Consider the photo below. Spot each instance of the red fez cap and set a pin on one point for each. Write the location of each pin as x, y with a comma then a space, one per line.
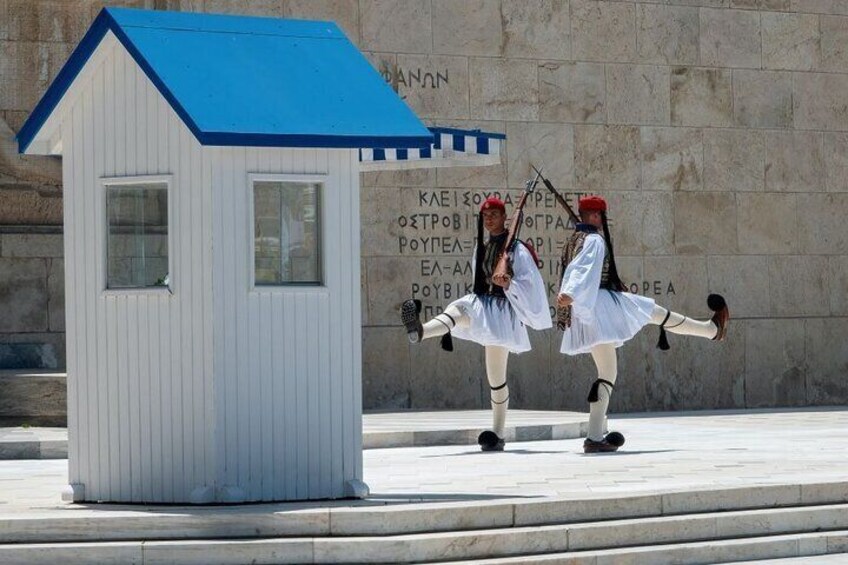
493, 203
592, 204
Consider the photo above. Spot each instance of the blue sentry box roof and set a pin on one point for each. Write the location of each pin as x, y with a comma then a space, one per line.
249, 81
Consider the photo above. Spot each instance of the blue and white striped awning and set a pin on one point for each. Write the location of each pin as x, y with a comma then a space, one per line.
450, 148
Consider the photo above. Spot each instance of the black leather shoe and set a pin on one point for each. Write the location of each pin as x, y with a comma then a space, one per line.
611, 442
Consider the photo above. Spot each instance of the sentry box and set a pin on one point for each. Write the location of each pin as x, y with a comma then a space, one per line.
212, 283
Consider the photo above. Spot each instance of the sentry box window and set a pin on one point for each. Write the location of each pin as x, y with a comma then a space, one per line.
136, 234
287, 233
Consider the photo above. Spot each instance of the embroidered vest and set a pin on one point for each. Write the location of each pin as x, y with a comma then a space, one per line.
569, 252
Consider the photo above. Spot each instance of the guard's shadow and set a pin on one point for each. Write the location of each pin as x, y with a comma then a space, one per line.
491, 453
620, 453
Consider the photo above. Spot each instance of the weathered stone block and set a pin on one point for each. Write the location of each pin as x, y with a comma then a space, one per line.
641, 222
344, 12
794, 161
697, 371
798, 285
434, 86
704, 223
820, 6
385, 368
638, 94
448, 381
606, 158
743, 280
4, 19
56, 295
536, 29
473, 27
775, 364
734, 160
504, 89
529, 375
836, 161
672, 159
730, 38
23, 295
819, 102
395, 25
762, 98
60, 21
702, 3
549, 147
701, 97
767, 223
667, 34
834, 43
603, 31
379, 214
572, 92
773, 5
827, 360
791, 41
269, 8
837, 276
824, 231
687, 276
31, 245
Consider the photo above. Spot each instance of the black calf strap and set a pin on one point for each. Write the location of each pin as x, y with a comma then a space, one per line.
499, 387
593, 392
663, 341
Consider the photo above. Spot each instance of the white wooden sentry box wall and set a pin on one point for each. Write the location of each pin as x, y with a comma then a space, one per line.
211, 390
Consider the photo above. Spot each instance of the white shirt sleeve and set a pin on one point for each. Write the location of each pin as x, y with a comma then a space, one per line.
582, 278
526, 292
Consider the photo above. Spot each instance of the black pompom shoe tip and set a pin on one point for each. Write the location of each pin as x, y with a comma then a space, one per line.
718, 304
489, 441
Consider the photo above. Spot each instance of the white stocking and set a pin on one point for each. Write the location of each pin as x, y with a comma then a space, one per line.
496, 359
444, 322
605, 360
683, 325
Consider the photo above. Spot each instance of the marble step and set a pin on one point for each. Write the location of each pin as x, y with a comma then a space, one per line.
379, 430
791, 549
34, 398
656, 544
380, 518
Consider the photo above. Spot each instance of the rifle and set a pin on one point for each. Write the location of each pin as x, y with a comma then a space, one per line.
558, 197
501, 271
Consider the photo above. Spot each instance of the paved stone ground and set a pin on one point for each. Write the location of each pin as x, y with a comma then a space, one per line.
673, 451
664, 452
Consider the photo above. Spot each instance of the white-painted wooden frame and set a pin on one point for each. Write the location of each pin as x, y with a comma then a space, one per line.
128, 181
320, 179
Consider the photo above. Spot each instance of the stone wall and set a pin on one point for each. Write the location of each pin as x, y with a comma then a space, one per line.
716, 128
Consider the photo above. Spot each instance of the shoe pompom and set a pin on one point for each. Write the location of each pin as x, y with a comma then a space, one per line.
488, 439
716, 302
615, 438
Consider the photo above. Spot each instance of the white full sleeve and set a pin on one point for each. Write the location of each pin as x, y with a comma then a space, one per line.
582, 278
527, 293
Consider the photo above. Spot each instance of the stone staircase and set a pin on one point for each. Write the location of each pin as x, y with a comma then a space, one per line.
704, 526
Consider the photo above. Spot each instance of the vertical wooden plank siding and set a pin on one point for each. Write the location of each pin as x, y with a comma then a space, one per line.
289, 357
244, 393
138, 381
